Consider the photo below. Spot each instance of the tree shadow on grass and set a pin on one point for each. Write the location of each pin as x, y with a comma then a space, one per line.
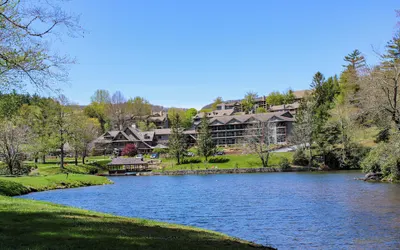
74, 230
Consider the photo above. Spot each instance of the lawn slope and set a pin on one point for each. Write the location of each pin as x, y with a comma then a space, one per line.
27, 224
12, 186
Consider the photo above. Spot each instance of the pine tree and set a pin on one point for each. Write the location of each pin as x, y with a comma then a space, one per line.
205, 144
177, 141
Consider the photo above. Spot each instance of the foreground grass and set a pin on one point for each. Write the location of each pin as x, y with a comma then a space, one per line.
27, 224
235, 161
12, 186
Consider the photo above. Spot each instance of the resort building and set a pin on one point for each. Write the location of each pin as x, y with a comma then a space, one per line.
145, 141
228, 130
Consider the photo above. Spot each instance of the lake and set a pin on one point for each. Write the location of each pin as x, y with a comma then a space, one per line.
283, 210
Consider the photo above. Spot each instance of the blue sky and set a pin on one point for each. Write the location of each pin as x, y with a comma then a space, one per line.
186, 53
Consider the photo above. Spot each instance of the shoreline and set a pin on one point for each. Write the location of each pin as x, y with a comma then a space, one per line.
221, 171
16, 186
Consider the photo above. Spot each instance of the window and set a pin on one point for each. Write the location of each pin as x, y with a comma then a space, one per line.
281, 130
281, 138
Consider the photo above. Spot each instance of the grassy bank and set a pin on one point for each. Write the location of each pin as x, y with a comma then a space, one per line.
28, 224
12, 186
235, 161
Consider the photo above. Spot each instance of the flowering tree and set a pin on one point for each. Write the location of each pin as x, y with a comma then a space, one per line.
129, 150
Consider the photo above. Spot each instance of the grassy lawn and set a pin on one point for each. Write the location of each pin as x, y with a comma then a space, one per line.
240, 161
21, 185
27, 224
366, 136
52, 166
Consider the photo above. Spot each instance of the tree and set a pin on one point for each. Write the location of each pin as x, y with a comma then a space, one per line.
146, 126
13, 137
304, 127
98, 111
118, 110
275, 98
83, 131
40, 119
177, 141
260, 110
355, 60
63, 125
27, 30
259, 138
323, 93
99, 107
249, 101
205, 144
189, 114
184, 116
101, 96
139, 107
349, 79
288, 97
381, 86
129, 150
216, 101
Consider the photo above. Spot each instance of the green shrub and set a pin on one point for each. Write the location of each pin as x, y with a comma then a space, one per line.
190, 160
384, 159
300, 158
284, 164
218, 160
100, 163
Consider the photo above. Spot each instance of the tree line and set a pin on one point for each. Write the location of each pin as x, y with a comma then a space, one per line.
363, 96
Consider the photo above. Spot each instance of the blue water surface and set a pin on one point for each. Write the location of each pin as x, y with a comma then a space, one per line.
283, 210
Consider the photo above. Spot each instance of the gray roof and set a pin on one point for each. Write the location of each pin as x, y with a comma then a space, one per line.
216, 113
292, 106
299, 94
263, 117
162, 131
126, 161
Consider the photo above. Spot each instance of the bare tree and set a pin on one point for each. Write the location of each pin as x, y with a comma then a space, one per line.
304, 128
27, 29
63, 125
259, 136
381, 85
13, 137
117, 109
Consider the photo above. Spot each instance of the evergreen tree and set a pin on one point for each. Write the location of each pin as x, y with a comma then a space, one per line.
177, 141
205, 144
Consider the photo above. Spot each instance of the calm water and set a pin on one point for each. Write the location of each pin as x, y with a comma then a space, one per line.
284, 210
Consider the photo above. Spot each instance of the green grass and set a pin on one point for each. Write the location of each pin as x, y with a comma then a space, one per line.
366, 136
27, 224
52, 166
241, 161
21, 185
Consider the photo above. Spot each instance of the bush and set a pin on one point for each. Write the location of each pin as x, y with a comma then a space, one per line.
284, 164
300, 158
100, 163
218, 160
24, 169
190, 160
129, 150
